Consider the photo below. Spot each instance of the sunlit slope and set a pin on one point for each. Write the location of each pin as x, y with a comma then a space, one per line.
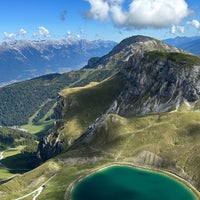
83, 105
170, 141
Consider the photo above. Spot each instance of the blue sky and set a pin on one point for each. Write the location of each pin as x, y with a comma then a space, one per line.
98, 19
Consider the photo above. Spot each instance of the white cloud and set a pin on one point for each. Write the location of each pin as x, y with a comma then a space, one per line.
14, 36
99, 9
141, 13
195, 23
177, 29
42, 32
173, 29
118, 16
10, 36
78, 36
68, 33
22, 32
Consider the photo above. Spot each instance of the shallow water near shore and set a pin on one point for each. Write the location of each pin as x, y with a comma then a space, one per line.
128, 183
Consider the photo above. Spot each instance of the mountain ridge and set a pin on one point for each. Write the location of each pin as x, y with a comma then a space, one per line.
190, 44
143, 110
26, 59
122, 60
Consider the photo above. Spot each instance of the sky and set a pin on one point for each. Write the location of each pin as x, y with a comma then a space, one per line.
98, 19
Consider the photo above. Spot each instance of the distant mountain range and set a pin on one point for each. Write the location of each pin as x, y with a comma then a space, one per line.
25, 59
191, 44
138, 104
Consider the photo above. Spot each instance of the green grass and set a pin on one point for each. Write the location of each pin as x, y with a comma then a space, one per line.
173, 137
181, 58
18, 163
41, 126
38, 129
4, 173
13, 151
4, 170
170, 141
84, 104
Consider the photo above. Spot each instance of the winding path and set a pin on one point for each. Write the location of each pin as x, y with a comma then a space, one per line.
38, 191
1, 155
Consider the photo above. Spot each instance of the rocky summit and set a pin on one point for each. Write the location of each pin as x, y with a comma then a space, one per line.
154, 77
138, 105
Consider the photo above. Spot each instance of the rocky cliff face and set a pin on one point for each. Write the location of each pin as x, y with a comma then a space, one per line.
157, 85
127, 48
154, 82
52, 144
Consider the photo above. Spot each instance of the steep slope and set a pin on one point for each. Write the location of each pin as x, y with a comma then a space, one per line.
127, 58
34, 98
22, 100
12, 138
23, 59
145, 114
159, 82
127, 48
31, 100
76, 109
190, 44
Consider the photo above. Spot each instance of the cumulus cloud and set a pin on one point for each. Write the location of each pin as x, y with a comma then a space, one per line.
22, 32
99, 9
42, 32
140, 13
177, 29
10, 36
14, 36
195, 23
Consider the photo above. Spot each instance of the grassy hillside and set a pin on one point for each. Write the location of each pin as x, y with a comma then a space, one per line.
82, 105
10, 138
17, 150
179, 58
36, 97
167, 141
21, 100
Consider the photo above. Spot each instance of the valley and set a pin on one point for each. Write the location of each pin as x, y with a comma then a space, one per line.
25, 59
137, 105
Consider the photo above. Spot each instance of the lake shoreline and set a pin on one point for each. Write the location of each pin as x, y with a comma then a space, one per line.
187, 184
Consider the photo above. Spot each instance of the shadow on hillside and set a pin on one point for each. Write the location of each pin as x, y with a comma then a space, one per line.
20, 163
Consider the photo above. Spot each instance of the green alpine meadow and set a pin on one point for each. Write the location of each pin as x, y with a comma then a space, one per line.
125, 126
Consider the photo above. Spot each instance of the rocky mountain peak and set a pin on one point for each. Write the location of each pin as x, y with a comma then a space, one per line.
156, 78
140, 43
159, 82
128, 48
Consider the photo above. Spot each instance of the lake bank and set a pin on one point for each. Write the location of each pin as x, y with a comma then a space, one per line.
169, 175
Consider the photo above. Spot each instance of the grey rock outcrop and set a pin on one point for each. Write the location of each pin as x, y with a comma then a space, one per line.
152, 85
157, 85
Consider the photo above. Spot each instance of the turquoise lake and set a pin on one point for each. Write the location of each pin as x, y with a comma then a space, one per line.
128, 183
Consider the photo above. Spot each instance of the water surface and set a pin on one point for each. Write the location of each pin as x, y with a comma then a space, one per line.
128, 183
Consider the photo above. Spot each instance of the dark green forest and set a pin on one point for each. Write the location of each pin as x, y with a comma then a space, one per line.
22, 100
10, 138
